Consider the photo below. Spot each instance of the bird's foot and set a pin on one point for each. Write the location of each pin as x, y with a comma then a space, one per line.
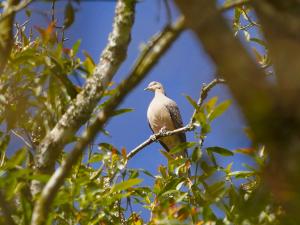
163, 130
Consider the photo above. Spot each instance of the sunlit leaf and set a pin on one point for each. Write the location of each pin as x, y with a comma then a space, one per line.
17, 159
121, 111
220, 150
192, 101
96, 158
210, 104
182, 146
242, 174
126, 184
219, 110
4, 143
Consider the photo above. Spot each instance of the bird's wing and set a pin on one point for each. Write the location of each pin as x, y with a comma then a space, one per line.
176, 118
177, 121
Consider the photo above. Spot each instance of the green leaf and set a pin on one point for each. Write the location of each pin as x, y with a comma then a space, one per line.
76, 47
220, 150
147, 173
126, 184
89, 63
193, 103
208, 170
69, 15
210, 104
182, 146
167, 155
216, 189
197, 154
96, 158
219, 110
121, 111
105, 146
242, 174
17, 159
258, 41
4, 143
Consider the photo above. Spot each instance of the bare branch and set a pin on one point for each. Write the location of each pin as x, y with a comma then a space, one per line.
189, 127
83, 105
149, 57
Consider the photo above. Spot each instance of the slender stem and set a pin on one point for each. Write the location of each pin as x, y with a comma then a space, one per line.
22, 138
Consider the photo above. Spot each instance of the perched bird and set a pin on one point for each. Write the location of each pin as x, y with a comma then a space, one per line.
163, 114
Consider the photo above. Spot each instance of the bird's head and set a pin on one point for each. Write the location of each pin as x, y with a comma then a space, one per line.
155, 87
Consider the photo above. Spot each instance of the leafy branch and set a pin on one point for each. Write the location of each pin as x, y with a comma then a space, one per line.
149, 57
83, 105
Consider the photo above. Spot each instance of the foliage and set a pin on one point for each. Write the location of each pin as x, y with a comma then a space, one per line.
36, 88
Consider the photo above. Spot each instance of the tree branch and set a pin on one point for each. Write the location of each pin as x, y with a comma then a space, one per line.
6, 32
15, 8
189, 127
83, 105
149, 57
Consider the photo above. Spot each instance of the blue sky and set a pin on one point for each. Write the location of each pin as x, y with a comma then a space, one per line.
183, 70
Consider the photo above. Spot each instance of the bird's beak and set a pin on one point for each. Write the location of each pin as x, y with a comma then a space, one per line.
147, 89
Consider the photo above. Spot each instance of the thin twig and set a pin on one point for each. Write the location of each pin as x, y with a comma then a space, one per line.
22, 138
189, 127
168, 10
53, 11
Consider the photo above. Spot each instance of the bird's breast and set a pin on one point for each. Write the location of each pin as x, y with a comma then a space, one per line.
159, 117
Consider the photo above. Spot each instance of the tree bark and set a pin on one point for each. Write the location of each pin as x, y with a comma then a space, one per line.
6, 32
83, 105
